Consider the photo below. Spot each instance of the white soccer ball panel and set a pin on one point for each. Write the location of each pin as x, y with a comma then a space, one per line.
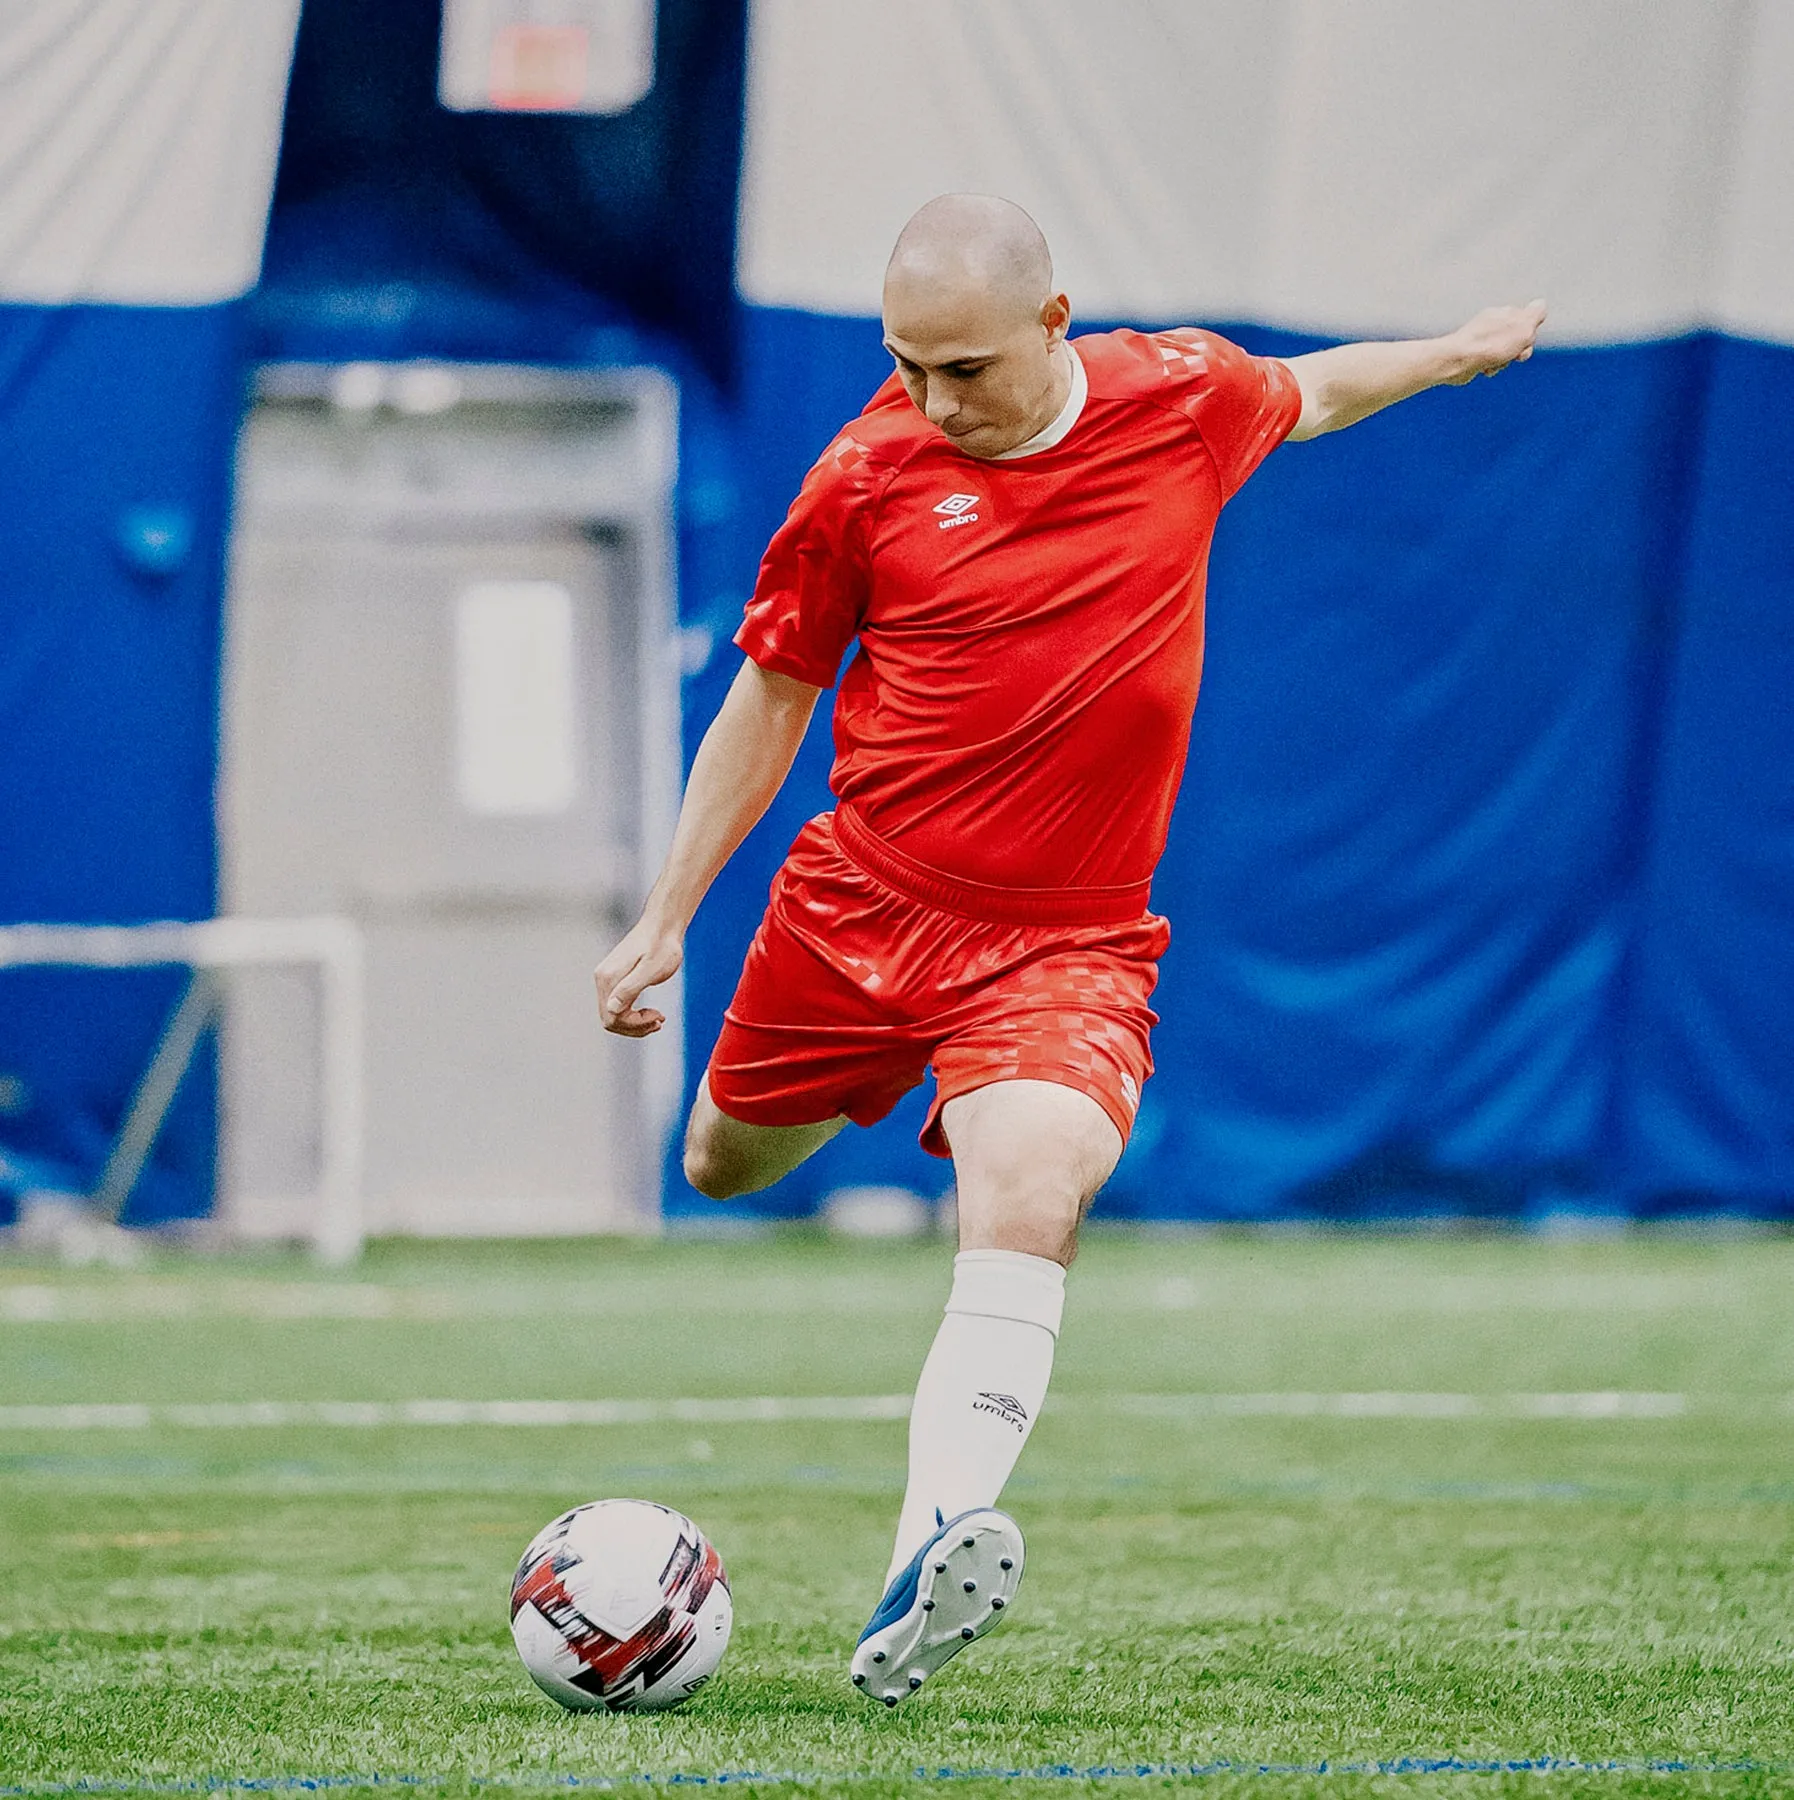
622, 1547
620, 1604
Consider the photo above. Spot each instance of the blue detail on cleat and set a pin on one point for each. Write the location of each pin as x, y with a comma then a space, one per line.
900, 1596
923, 1620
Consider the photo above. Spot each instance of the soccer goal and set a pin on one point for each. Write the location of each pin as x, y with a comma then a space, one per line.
210, 950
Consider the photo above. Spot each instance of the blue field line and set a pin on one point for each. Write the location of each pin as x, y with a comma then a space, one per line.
548, 1780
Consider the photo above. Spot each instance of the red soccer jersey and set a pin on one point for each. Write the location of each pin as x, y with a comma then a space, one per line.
1030, 630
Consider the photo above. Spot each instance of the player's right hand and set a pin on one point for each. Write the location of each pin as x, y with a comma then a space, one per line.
646, 956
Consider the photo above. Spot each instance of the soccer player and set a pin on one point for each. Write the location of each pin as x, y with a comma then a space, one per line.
1016, 532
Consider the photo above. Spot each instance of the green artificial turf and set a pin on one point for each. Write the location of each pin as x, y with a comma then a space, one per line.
1209, 1582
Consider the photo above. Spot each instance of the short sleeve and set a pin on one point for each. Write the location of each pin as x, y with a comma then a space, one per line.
1244, 406
811, 592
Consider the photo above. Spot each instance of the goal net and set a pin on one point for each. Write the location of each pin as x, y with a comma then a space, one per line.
219, 955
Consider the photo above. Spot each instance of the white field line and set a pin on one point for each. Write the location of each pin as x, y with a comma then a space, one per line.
378, 1415
279, 1303
374, 1415
1607, 1404
276, 1302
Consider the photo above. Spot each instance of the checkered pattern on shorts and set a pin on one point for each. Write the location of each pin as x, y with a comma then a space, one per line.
851, 991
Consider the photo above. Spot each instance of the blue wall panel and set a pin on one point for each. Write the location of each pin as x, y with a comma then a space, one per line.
117, 425
1400, 870
1707, 1113
1403, 876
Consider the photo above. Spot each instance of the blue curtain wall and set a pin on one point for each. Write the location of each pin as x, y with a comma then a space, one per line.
1482, 880
116, 431
1483, 876
1706, 1004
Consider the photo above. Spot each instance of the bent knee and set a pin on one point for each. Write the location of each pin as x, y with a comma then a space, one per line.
715, 1177
712, 1182
727, 1157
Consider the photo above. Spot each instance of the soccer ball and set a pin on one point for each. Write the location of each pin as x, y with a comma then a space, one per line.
621, 1604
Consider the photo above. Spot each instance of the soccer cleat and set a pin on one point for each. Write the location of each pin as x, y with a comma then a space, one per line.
953, 1590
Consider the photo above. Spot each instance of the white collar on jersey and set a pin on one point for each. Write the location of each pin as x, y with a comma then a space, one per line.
1068, 415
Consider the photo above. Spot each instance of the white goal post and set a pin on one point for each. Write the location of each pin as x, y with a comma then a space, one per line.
332, 945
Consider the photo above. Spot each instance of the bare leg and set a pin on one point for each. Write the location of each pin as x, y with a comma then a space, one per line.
725, 1157
1029, 1157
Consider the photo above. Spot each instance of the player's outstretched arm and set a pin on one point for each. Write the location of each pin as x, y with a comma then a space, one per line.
741, 764
1341, 386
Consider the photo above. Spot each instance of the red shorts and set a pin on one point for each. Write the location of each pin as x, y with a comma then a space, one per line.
853, 987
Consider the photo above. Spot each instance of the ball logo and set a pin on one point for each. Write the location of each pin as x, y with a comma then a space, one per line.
958, 510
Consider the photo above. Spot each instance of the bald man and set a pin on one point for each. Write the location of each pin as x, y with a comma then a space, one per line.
1015, 534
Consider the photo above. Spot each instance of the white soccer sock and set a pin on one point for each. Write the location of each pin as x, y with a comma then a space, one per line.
980, 1389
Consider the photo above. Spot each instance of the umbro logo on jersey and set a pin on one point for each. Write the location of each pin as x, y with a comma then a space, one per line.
958, 508
1006, 1407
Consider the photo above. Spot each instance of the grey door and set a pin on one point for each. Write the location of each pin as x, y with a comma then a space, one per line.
435, 724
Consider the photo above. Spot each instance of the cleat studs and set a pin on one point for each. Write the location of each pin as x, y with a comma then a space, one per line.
971, 1587
997, 1604
890, 1699
878, 1656
928, 1606
966, 1632
1006, 1565
940, 1568
859, 1679
968, 1543
915, 1681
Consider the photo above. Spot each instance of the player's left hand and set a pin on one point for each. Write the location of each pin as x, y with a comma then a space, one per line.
1496, 337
